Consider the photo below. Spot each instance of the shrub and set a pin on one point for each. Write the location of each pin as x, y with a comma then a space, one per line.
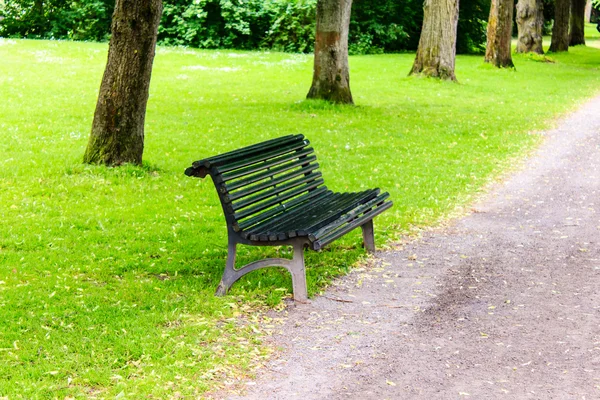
286, 25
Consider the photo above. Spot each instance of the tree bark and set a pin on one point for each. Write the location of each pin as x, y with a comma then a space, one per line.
530, 21
117, 135
577, 34
499, 34
588, 11
436, 53
560, 30
331, 74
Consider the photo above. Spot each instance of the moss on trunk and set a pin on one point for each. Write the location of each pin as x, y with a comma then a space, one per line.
436, 53
499, 32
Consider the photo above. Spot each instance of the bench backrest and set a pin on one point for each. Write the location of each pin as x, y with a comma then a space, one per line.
259, 182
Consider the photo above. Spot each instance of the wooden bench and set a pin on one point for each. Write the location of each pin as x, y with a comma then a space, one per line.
273, 195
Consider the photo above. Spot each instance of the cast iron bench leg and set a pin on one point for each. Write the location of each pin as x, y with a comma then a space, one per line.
295, 266
368, 236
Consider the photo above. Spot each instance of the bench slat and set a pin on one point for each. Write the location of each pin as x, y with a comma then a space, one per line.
301, 154
282, 209
245, 161
319, 213
247, 191
348, 216
267, 226
245, 152
269, 172
279, 199
275, 191
325, 240
305, 227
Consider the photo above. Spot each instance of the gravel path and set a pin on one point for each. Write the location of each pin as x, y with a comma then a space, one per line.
504, 303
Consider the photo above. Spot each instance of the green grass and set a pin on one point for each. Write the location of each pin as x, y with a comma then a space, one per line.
591, 33
107, 275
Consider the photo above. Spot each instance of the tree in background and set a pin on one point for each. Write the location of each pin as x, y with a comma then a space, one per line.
436, 53
560, 30
530, 22
499, 34
117, 135
331, 75
577, 34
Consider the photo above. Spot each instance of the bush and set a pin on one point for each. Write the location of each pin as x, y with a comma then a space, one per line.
472, 25
213, 23
286, 25
292, 26
385, 25
57, 19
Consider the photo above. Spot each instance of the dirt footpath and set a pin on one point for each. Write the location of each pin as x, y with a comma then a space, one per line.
503, 304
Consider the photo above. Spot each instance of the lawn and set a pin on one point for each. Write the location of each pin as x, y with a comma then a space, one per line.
107, 274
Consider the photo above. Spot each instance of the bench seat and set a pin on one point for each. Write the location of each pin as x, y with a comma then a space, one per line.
320, 218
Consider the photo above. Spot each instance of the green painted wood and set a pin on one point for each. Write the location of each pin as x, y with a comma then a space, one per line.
249, 223
269, 172
298, 212
244, 152
238, 173
245, 161
303, 228
336, 234
314, 216
280, 199
247, 201
348, 216
316, 212
247, 191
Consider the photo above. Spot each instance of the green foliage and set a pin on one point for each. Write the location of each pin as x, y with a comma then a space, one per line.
472, 25
287, 25
391, 26
107, 274
293, 25
213, 23
385, 25
56, 19
548, 11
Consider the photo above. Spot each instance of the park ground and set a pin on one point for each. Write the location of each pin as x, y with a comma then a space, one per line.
499, 304
107, 274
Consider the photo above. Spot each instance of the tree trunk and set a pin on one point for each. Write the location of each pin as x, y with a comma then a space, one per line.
560, 30
117, 135
499, 34
588, 11
577, 34
331, 75
530, 20
436, 53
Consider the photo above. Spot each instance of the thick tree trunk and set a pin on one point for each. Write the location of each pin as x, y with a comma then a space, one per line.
530, 20
117, 135
436, 53
577, 34
331, 75
499, 33
560, 30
